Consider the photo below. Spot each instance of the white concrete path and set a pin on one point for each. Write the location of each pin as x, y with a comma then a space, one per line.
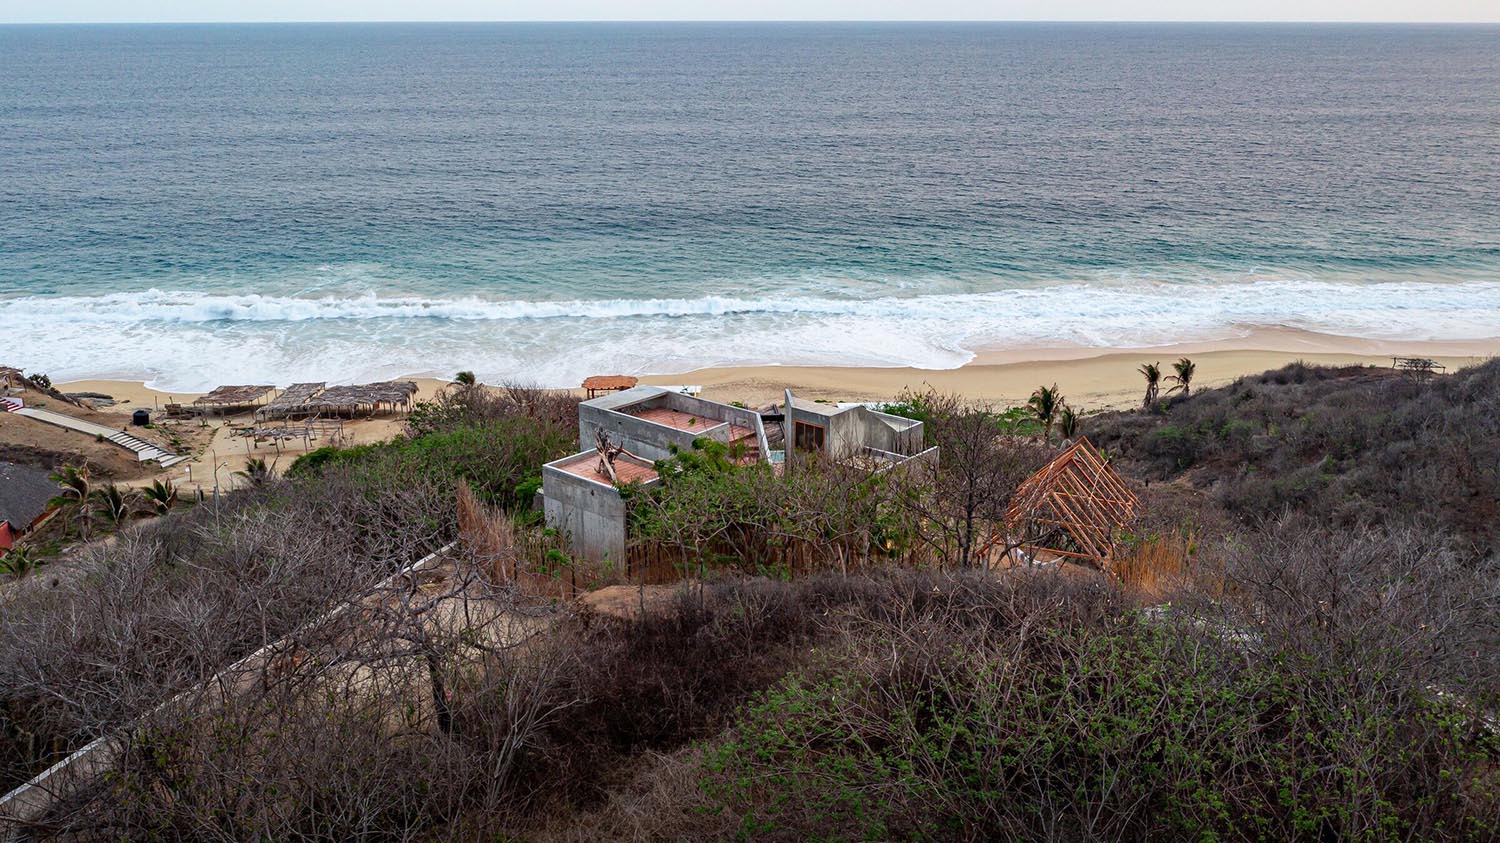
142, 449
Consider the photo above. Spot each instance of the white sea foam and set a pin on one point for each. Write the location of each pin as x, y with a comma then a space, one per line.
192, 340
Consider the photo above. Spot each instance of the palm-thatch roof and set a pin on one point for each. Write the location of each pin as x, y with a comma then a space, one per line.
292, 401
233, 396
364, 398
596, 384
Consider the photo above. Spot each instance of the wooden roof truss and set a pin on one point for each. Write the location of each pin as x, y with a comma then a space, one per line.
1073, 507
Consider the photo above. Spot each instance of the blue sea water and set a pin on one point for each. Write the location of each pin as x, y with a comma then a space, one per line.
205, 204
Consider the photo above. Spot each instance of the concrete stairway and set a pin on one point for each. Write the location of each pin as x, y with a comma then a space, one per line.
142, 449
752, 449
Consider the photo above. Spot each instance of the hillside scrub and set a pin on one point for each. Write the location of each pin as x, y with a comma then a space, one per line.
167, 602
896, 705
1037, 709
1344, 446
1328, 670
494, 441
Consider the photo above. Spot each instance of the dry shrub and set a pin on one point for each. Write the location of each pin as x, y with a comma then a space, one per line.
1349, 446
461, 406
521, 554
167, 603
1155, 566
1004, 714
412, 715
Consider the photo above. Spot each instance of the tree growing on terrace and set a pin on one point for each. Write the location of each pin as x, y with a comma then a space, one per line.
960, 505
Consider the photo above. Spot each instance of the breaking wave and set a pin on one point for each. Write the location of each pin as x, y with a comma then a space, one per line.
192, 340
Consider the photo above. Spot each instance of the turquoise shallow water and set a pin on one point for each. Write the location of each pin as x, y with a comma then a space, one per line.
202, 204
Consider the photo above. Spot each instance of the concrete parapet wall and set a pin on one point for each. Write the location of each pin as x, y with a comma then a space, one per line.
590, 514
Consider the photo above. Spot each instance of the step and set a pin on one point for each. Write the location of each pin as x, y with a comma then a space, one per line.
143, 449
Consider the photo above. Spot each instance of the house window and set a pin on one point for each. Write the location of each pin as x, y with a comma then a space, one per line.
808, 437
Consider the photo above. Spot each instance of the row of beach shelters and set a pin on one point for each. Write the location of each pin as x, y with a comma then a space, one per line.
301, 400
310, 399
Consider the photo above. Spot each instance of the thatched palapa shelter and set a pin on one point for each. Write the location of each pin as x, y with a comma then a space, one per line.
292, 402
363, 399
597, 384
225, 398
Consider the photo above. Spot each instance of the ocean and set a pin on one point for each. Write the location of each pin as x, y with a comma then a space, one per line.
194, 205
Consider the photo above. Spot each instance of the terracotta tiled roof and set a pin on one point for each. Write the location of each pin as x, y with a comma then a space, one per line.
677, 419
627, 469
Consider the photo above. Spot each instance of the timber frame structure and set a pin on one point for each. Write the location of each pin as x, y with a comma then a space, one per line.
1073, 507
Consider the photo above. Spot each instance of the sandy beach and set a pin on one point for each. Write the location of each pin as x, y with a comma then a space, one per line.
1091, 379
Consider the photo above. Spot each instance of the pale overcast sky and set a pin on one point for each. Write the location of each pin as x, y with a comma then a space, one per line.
282, 10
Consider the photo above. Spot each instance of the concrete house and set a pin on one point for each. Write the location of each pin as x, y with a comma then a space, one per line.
650, 423
578, 496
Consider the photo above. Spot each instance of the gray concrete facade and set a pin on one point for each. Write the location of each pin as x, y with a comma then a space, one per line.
849, 431
589, 512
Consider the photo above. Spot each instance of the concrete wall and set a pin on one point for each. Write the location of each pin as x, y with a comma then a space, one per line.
591, 514
653, 441
900, 435
850, 430
638, 437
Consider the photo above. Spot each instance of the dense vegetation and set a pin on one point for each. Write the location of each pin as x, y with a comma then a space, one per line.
167, 602
1339, 445
1325, 663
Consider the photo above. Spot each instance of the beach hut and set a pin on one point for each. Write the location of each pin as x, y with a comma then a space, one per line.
224, 399
599, 384
293, 401
24, 495
363, 399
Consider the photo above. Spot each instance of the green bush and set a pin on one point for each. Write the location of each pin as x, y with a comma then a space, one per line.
1136, 732
499, 458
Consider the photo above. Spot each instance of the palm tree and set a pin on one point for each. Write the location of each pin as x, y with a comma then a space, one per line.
256, 471
1184, 377
465, 378
112, 504
160, 496
73, 483
1152, 373
18, 561
1067, 422
1044, 404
